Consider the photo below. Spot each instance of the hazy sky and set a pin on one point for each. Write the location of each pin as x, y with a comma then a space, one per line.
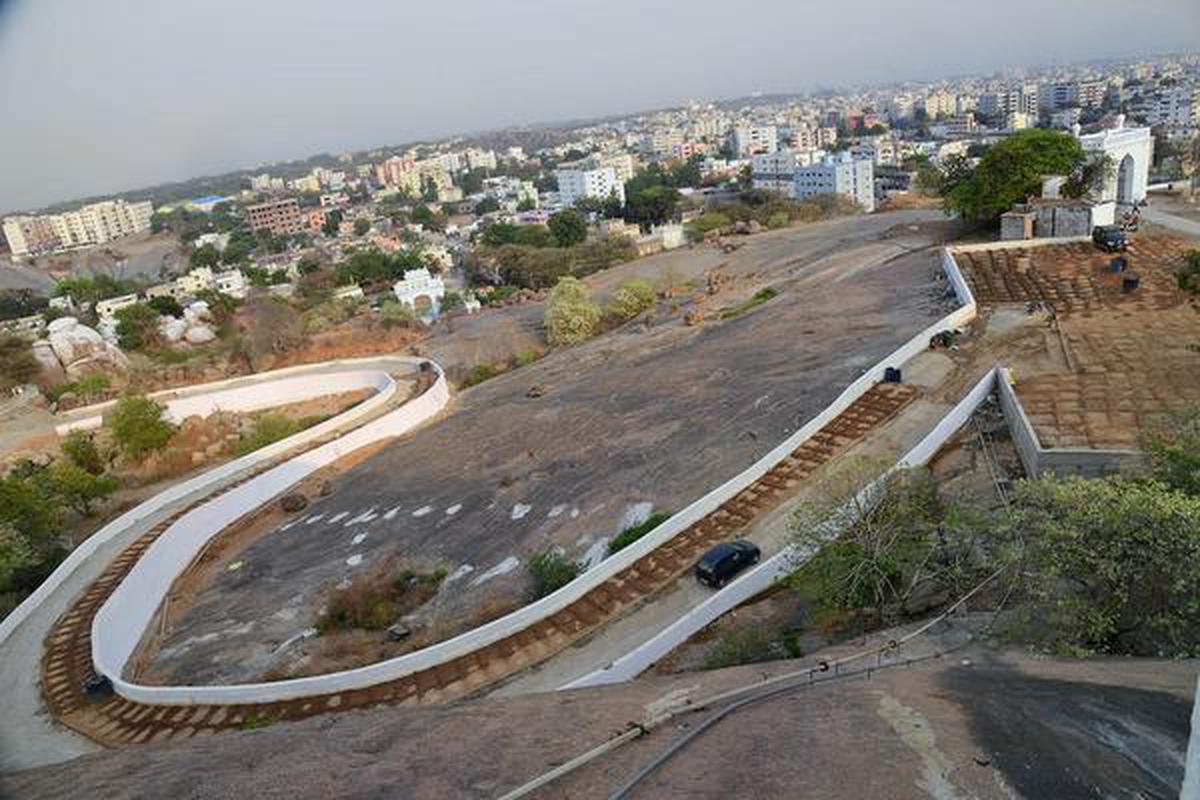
106, 95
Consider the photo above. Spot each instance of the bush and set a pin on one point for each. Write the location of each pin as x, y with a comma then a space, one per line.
1108, 566
750, 646
137, 326
393, 314
166, 306
377, 598
635, 532
268, 429
138, 427
631, 298
17, 364
478, 374
79, 488
1173, 446
551, 571
707, 222
571, 315
1188, 275
80, 448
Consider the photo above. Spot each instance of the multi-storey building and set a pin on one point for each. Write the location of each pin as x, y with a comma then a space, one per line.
1019, 99
840, 174
939, 104
600, 183
401, 173
749, 140
1083, 94
1177, 107
281, 217
93, 224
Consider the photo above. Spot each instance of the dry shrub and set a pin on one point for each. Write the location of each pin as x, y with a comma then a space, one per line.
378, 597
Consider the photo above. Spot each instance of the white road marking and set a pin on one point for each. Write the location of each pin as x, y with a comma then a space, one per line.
505, 566
392, 513
422, 511
454, 509
366, 516
358, 539
465, 569
338, 517
314, 518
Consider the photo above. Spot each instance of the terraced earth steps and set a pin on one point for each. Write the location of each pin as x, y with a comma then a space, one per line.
115, 721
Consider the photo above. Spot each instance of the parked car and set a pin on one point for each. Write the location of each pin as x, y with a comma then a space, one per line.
1109, 238
725, 560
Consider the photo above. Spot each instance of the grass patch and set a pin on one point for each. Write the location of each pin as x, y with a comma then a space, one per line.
635, 532
551, 571
478, 374
751, 646
377, 598
87, 389
759, 297
268, 429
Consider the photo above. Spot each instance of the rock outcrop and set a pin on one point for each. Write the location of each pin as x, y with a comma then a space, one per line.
78, 350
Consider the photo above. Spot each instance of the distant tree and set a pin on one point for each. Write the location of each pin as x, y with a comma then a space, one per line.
652, 205
429, 190
26, 508
451, 301
571, 316
526, 204
138, 426
471, 181
206, 256
333, 221
15, 303
500, 233
487, 205
17, 363
220, 305
534, 236
361, 226
137, 326
166, 305
568, 227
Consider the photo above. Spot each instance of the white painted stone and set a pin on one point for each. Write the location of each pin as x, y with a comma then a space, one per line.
504, 567
338, 517
574, 513
422, 511
595, 554
314, 518
354, 560
366, 516
520, 510
635, 514
358, 539
556, 511
454, 509
389, 515
465, 569
235, 566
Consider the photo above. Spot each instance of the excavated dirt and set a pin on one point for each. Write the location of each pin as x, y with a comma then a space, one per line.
649, 416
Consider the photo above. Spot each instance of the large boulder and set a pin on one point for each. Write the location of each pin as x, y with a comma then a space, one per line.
81, 350
172, 329
199, 334
52, 369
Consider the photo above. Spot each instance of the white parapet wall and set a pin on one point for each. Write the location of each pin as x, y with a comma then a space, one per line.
201, 484
780, 565
134, 604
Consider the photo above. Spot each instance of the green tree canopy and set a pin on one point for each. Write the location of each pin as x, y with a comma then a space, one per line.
568, 227
1012, 170
138, 426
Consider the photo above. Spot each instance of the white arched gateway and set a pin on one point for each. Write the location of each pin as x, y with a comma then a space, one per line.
1131, 150
421, 291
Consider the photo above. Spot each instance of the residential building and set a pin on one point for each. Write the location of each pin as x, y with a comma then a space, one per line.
749, 140
30, 236
1019, 99
107, 309
940, 104
839, 174
281, 217
1078, 94
1066, 118
401, 173
1175, 107
776, 171
600, 183
231, 282
93, 224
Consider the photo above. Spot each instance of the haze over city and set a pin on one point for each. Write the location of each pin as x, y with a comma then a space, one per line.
105, 97
534, 400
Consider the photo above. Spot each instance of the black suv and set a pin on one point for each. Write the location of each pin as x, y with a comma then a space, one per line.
726, 560
1109, 238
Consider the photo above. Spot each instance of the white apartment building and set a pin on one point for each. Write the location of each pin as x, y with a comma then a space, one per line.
776, 171
941, 103
1084, 94
1176, 107
749, 140
93, 224
576, 184
840, 174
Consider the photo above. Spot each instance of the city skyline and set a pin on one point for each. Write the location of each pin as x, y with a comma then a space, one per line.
193, 105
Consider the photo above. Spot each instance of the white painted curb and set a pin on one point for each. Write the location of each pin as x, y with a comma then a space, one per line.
129, 615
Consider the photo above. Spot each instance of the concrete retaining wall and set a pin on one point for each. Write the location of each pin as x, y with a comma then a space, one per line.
1039, 461
120, 645
200, 485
